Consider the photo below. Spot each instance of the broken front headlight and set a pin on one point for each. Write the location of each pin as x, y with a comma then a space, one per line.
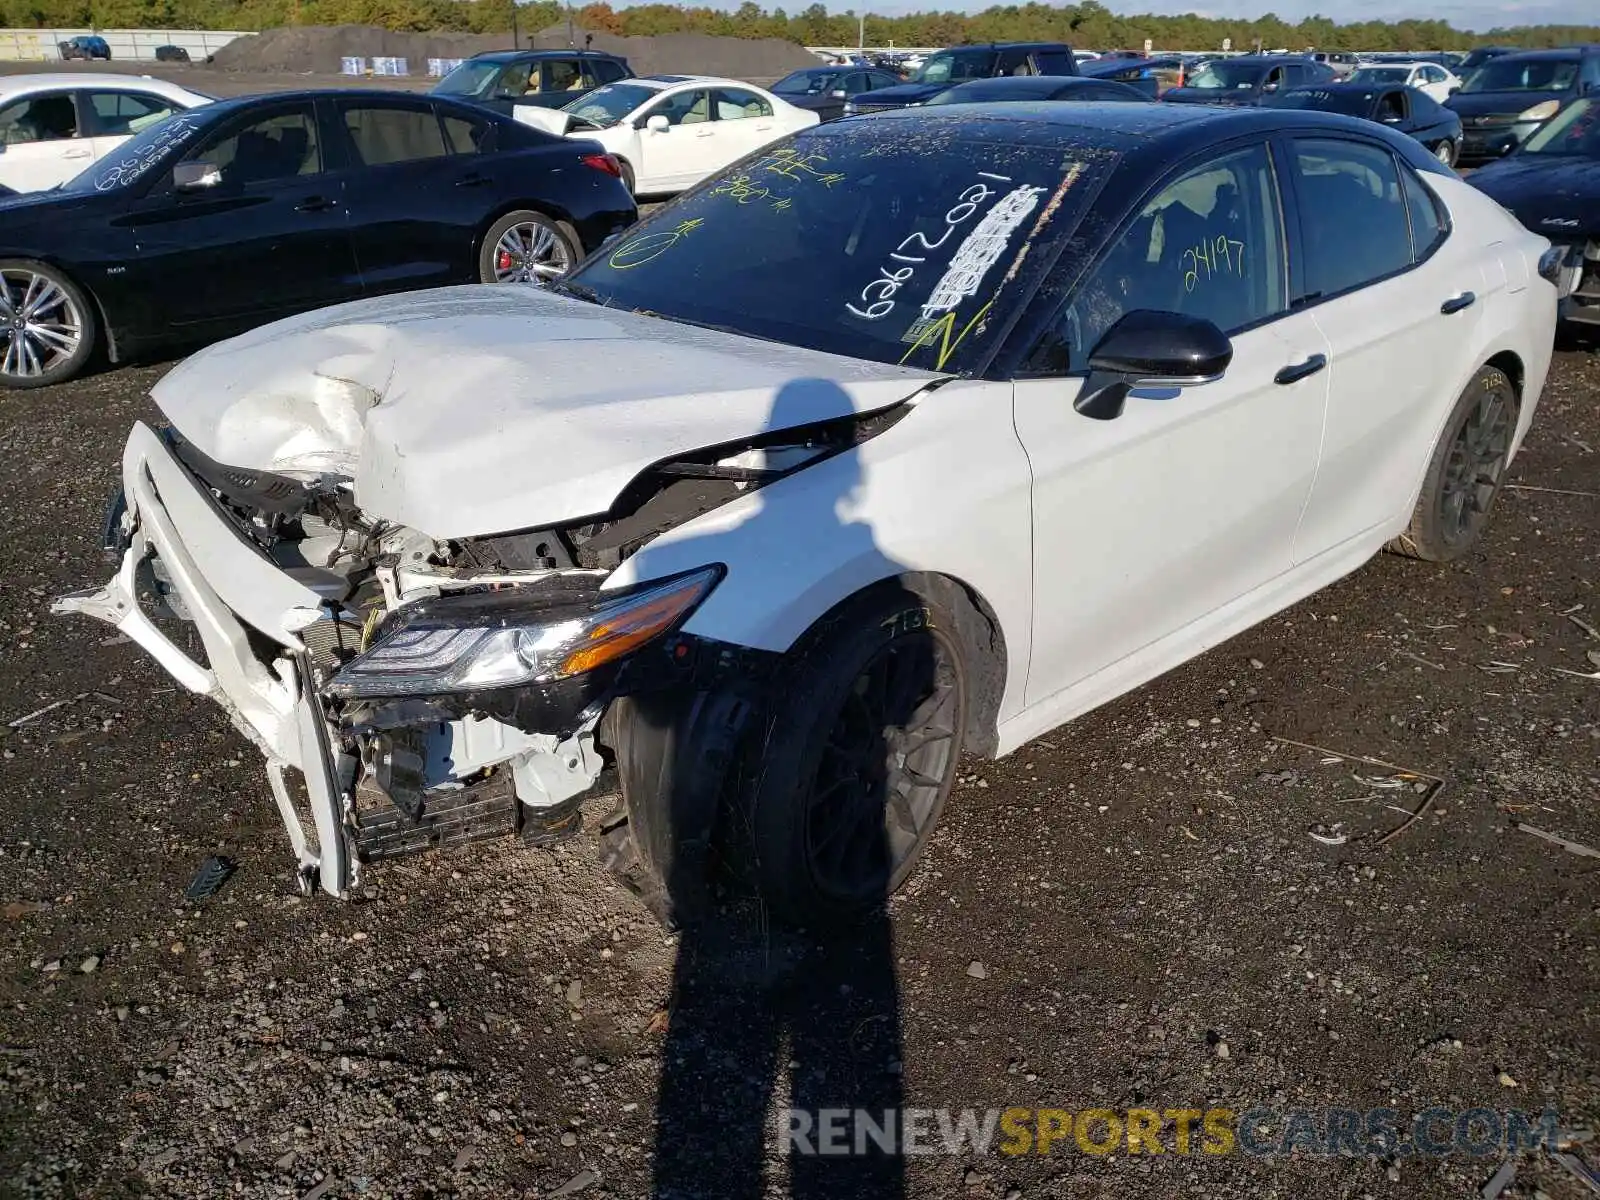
508, 637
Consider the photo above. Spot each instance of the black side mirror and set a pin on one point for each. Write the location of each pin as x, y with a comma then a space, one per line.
1151, 349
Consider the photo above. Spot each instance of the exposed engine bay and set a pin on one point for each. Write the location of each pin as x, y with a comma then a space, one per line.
431, 746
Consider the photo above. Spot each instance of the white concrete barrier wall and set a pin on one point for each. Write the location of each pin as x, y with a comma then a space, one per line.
131, 45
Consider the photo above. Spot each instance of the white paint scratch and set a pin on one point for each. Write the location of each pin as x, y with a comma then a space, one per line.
981, 249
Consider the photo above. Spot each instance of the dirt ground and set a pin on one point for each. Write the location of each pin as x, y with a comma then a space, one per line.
1128, 911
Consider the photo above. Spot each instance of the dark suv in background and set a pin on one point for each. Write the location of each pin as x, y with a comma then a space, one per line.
1510, 96
88, 45
961, 64
500, 79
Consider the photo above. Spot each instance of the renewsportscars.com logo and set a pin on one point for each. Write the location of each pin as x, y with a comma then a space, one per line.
1478, 1132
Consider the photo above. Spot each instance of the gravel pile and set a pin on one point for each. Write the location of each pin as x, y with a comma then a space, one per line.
319, 49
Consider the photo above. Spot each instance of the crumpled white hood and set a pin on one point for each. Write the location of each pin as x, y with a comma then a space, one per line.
475, 410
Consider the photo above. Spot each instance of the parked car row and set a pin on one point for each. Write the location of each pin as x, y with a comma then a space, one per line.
906, 435
232, 213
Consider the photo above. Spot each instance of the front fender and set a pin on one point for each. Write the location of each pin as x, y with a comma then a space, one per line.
946, 491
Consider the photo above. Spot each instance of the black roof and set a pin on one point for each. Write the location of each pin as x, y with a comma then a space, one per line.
1559, 54
1269, 60
1012, 46
1156, 134
1040, 87
519, 55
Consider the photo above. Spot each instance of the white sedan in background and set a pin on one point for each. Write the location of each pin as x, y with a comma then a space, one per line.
671, 131
54, 125
1428, 78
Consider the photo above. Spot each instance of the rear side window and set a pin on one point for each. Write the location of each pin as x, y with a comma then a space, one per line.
1353, 216
380, 136
123, 114
1053, 62
1428, 227
607, 70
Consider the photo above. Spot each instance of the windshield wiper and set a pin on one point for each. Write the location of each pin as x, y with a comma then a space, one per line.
650, 312
578, 291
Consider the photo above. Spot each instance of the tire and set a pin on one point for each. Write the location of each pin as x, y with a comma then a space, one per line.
822, 841
526, 247
627, 175
1445, 152
1465, 473
59, 340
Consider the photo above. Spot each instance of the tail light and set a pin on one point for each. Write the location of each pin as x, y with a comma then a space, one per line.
603, 162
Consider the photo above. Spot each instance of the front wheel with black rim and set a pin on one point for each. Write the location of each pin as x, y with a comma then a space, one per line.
855, 759
47, 325
1465, 473
1445, 152
527, 247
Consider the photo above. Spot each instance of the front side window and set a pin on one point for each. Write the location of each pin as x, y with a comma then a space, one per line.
1226, 76
281, 146
608, 70
123, 114
473, 78
465, 135
1053, 62
1209, 245
733, 104
1352, 215
39, 119
380, 136
682, 108
1014, 62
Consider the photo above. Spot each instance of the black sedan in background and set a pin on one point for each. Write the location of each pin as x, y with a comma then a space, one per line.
1507, 98
1248, 79
1039, 87
1552, 184
228, 216
1401, 108
824, 90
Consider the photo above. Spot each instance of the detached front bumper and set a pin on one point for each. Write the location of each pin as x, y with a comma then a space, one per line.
238, 600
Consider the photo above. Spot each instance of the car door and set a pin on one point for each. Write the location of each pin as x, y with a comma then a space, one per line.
745, 122
414, 207
268, 238
112, 117
1395, 296
41, 141
1188, 500
683, 153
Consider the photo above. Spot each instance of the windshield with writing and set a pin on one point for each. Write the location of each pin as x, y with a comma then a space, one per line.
1350, 104
1529, 75
873, 244
607, 105
138, 157
952, 66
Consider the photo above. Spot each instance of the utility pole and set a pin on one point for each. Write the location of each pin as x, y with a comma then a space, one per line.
516, 43
572, 41
861, 33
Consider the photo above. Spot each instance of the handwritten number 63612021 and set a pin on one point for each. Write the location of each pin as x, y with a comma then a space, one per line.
878, 296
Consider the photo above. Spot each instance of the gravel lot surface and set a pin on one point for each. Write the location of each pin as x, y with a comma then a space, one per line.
1127, 911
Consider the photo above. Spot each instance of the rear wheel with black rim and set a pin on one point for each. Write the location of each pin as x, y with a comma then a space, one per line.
857, 759
1465, 473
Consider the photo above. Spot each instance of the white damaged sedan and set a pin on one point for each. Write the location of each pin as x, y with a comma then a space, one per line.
916, 434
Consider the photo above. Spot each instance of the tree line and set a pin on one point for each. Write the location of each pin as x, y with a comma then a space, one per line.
1089, 24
